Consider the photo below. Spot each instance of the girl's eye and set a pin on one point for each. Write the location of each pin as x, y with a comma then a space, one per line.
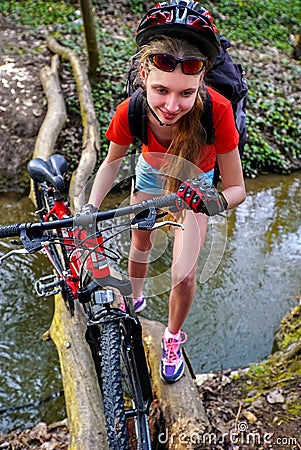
187, 93
161, 90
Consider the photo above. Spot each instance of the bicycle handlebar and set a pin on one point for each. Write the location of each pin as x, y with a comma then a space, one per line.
9, 230
35, 228
196, 194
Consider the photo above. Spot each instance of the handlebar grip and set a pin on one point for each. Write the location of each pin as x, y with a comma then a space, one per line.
10, 230
168, 200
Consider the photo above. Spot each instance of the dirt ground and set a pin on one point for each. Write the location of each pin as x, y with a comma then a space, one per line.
22, 107
236, 424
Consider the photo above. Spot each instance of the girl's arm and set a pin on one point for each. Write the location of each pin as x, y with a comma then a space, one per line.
106, 173
231, 173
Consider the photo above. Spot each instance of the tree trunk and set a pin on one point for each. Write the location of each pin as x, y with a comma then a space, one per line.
56, 115
90, 145
90, 35
182, 410
83, 399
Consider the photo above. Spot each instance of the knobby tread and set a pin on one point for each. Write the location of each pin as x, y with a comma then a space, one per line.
112, 387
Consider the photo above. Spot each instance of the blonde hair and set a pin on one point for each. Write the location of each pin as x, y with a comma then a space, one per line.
189, 137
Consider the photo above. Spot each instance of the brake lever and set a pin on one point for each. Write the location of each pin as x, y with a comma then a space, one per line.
169, 222
21, 251
158, 225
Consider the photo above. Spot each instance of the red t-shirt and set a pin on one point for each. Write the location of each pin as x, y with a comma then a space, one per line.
226, 136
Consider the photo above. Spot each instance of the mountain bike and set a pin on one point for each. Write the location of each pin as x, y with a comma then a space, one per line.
79, 256
80, 272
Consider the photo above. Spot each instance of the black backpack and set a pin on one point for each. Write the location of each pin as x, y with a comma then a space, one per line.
225, 76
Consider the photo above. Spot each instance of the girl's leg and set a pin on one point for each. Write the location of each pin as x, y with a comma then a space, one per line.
141, 245
187, 248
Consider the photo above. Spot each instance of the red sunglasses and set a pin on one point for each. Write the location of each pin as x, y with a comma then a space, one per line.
168, 63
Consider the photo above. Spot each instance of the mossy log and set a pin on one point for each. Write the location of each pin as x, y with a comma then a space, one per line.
56, 115
83, 399
184, 417
90, 142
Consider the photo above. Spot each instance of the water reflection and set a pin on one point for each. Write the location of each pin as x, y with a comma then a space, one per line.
29, 366
232, 320
236, 313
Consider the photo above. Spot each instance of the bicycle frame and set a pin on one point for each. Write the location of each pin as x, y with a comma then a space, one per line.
59, 211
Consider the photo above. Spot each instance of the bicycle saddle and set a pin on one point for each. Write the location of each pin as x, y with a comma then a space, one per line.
51, 171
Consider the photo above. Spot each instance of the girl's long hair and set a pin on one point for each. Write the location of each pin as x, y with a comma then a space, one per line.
189, 137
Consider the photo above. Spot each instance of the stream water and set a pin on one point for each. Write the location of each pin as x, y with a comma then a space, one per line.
249, 278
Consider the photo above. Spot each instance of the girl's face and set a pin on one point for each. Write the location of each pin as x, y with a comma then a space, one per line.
170, 95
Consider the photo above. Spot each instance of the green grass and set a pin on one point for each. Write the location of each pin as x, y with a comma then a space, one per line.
273, 119
38, 12
257, 22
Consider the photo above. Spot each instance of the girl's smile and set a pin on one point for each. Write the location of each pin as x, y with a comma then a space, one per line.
171, 94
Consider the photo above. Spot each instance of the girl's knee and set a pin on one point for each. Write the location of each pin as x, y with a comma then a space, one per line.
185, 281
142, 241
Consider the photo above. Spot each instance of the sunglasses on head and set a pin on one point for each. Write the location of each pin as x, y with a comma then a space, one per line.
168, 63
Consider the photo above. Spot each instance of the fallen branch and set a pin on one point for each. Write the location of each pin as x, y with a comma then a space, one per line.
182, 409
83, 399
56, 115
90, 143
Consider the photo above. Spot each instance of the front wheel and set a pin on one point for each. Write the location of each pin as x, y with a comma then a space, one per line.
123, 394
111, 387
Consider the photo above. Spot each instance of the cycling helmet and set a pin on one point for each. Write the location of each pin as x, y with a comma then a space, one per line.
183, 19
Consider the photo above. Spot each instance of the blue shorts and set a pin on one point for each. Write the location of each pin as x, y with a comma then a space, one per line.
149, 179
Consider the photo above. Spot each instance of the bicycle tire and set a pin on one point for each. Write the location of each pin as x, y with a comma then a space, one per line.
122, 368
138, 383
111, 387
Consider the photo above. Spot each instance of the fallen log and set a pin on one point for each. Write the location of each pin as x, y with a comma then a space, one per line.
83, 399
90, 142
184, 417
82, 394
56, 115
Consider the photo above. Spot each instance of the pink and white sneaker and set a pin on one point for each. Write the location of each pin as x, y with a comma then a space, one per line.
138, 302
172, 362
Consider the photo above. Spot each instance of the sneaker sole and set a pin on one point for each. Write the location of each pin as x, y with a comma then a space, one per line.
169, 380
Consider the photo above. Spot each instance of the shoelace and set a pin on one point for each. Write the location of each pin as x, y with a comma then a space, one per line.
171, 347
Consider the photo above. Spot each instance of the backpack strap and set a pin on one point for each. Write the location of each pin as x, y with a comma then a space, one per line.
206, 119
137, 116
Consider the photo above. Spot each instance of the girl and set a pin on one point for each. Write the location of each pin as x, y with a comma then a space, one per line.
178, 42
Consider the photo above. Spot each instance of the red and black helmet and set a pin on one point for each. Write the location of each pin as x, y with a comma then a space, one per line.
183, 19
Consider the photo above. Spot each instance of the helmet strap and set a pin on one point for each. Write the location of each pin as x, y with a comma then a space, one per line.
156, 117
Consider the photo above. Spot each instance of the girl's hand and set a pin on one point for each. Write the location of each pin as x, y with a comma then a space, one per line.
201, 197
